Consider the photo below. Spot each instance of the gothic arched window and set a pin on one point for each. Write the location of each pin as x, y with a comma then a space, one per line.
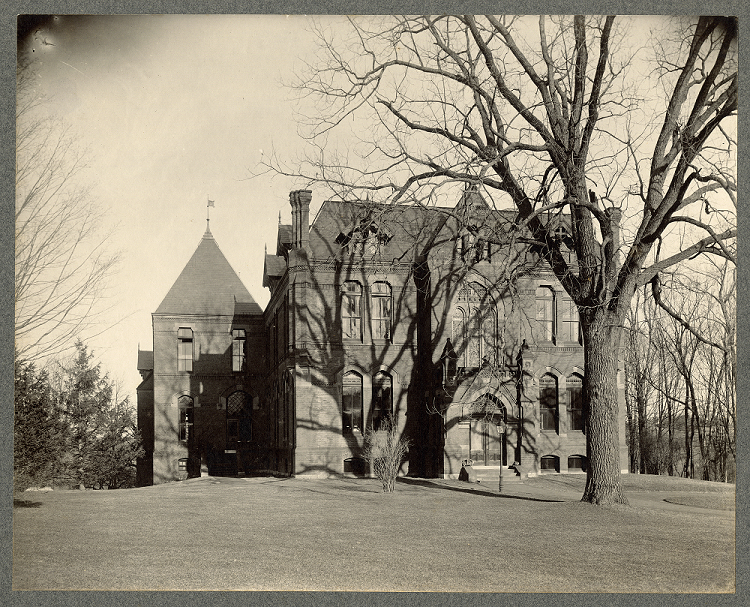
474, 327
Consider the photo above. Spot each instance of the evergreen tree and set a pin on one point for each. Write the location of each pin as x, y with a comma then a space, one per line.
102, 441
71, 428
39, 434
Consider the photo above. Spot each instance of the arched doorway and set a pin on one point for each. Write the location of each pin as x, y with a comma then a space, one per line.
487, 432
239, 429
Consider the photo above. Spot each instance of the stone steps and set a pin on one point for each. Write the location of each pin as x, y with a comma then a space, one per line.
489, 475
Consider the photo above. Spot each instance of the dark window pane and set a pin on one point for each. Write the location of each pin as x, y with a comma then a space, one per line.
351, 402
577, 462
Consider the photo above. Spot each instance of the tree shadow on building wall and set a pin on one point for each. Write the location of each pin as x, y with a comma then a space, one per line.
425, 273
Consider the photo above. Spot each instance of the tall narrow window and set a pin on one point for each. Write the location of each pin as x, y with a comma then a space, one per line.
474, 327
185, 423
545, 313
351, 311
548, 403
459, 343
184, 349
381, 310
382, 399
288, 405
238, 349
467, 246
474, 340
570, 325
489, 353
351, 403
574, 389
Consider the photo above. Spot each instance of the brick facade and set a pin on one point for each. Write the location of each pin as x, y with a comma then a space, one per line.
374, 308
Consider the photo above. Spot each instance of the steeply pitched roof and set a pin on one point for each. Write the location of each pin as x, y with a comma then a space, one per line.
283, 238
148, 383
208, 285
145, 360
273, 267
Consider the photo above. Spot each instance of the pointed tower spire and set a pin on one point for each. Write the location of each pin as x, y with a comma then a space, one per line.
209, 204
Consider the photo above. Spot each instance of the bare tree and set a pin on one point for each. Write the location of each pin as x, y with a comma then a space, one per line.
61, 263
680, 362
545, 118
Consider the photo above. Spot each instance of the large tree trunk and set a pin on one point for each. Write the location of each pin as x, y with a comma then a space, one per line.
602, 333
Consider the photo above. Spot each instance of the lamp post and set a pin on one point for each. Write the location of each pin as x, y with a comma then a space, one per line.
518, 368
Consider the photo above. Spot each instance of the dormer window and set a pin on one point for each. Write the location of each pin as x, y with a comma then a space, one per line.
472, 248
368, 238
560, 234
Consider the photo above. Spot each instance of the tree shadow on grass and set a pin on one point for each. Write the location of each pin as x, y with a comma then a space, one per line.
470, 489
18, 503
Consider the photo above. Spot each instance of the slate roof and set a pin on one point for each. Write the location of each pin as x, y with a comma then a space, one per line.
283, 239
208, 285
405, 224
274, 267
145, 360
147, 384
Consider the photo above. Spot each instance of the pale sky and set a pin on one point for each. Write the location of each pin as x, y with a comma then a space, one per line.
172, 110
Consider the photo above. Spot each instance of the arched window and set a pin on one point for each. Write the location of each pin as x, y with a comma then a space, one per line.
351, 403
549, 463
577, 462
548, 412
351, 310
545, 313
574, 388
185, 421
474, 327
381, 310
382, 398
239, 425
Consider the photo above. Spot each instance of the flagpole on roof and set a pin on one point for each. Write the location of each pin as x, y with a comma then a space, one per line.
209, 204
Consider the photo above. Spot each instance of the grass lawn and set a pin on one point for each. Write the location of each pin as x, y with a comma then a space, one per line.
344, 534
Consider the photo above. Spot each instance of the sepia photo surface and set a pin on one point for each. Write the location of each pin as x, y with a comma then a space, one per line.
376, 303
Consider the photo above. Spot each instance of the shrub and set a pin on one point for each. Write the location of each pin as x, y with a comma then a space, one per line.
386, 450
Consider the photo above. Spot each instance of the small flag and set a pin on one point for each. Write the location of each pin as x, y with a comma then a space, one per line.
211, 203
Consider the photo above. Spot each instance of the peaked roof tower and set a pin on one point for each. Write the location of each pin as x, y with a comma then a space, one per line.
208, 285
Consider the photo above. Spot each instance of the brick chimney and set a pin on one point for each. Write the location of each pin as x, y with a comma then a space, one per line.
300, 201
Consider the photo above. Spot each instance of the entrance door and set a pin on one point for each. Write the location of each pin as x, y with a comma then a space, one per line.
487, 443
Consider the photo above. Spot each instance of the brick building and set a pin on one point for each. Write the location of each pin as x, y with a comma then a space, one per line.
436, 316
